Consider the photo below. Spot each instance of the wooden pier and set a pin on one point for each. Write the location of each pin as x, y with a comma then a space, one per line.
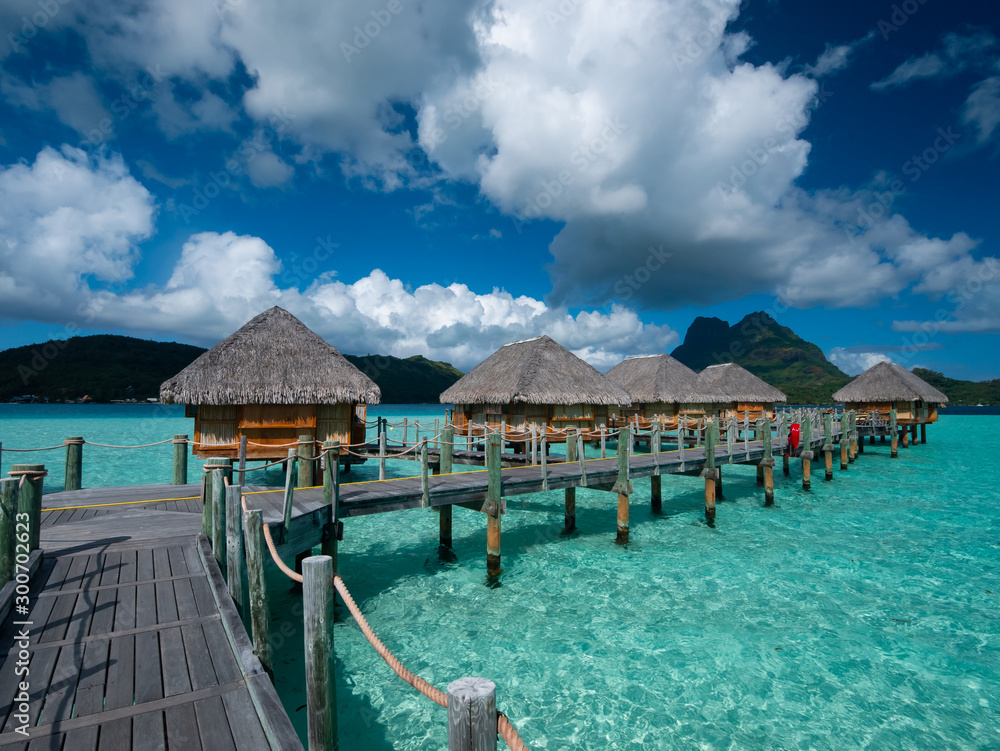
133, 642
137, 640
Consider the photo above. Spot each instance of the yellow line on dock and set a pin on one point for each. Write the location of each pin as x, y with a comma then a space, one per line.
123, 503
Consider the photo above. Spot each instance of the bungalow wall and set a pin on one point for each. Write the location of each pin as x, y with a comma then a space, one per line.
907, 413
218, 428
587, 417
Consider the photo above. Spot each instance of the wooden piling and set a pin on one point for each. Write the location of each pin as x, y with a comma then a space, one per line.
767, 462
760, 475
923, 432
472, 715
29, 500
718, 485
785, 469
447, 456
260, 610
623, 485
180, 459
331, 497
74, 463
494, 493
425, 496
219, 516
381, 455
913, 432
604, 441
234, 544
852, 446
241, 462
828, 445
656, 499
321, 690
844, 440
306, 452
207, 509
289, 496
8, 526
894, 445
806, 454
710, 472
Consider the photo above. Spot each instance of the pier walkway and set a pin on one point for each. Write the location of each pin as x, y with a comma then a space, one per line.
133, 641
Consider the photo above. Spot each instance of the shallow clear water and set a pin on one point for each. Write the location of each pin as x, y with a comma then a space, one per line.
860, 615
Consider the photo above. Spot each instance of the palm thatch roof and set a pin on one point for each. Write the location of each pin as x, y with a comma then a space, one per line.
662, 378
740, 385
889, 382
272, 359
534, 371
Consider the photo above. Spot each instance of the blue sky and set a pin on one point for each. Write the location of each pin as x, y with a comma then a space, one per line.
442, 177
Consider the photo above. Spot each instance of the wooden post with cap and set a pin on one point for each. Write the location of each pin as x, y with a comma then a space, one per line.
623, 484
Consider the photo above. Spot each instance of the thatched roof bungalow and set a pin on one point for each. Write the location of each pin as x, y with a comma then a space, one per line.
271, 381
888, 386
663, 387
533, 382
747, 393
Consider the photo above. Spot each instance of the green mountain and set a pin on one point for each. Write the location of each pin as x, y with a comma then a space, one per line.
770, 351
415, 380
106, 367
962, 392
103, 367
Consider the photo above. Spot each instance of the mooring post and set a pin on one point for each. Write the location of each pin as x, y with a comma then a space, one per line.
305, 455
234, 544
844, 440
570, 493
768, 463
219, 516
893, 435
623, 484
494, 493
445, 468
286, 514
472, 715
406, 429
533, 431
180, 459
425, 495
207, 509
730, 436
604, 441
8, 525
699, 434
807, 453
260, 609
681, 430
828, 445
581, 457
381, 455
321, 690
331, 497
74, 463
710, 472
543, 449
852, 449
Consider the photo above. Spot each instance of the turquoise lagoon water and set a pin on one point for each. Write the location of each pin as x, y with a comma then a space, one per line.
860, 615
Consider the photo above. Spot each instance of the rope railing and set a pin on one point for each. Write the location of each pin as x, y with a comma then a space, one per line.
504, 727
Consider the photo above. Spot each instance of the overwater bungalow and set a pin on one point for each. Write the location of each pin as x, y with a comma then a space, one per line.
662, 388
748, 394
887, 386
533, 382
271, 381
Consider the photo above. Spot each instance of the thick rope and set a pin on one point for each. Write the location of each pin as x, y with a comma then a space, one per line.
504, 727
24, 474
140, 446
47, 448
436, 695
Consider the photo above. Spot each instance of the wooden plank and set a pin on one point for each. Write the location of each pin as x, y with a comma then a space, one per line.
199, 658
144, 565
148, 732
213, 725
148, 683
116, 735
59, 695
93, 672
120, 684
182, 728
243, 721
173, 663
142, 740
